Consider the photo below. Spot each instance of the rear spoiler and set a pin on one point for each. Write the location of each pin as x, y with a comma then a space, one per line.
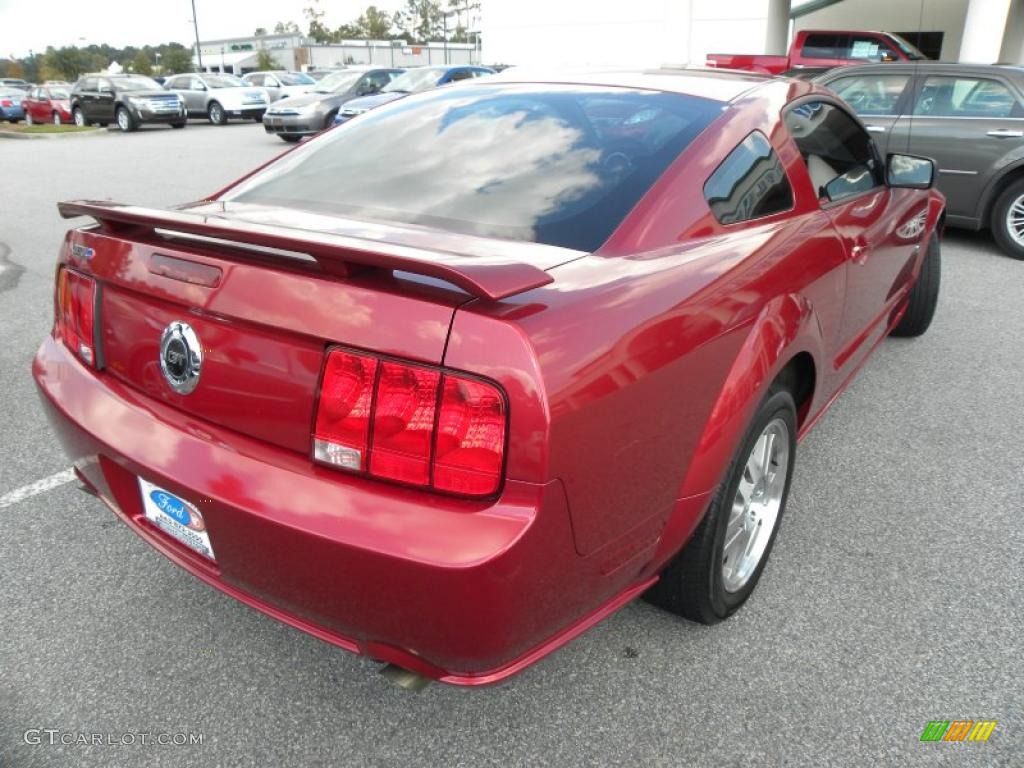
486, 277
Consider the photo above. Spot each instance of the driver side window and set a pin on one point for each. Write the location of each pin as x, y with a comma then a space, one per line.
839, 155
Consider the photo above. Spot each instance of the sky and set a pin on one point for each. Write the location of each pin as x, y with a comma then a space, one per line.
34, 24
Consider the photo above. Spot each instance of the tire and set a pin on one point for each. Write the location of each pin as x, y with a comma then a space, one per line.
1007, 221
178, 125
700, 583
56, 119
125, 121
28, 119
329, 120
215, 112
258, 117
290, 139
924, 296
78, 117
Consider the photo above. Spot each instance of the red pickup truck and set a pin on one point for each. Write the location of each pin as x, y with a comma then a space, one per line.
823, 48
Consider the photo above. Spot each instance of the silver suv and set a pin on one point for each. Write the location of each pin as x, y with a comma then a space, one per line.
969, 118
219, 97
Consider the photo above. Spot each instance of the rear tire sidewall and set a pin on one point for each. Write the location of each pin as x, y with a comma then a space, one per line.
998, 223
778, 404
28, 119
78, 117
56, 119
215, 112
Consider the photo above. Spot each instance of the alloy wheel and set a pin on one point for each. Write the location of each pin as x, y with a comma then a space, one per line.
756, 505
79, 118
1015, 221
123, 120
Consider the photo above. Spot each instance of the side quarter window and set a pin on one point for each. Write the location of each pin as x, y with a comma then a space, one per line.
839, 154
749, 184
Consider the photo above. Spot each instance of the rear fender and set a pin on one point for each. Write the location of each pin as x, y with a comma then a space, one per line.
785, 327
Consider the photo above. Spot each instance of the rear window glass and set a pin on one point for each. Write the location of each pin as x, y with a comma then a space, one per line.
561, 166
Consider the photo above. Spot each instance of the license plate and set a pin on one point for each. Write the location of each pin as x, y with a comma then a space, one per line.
176, 517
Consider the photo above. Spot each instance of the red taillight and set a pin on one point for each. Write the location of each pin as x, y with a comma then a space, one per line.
403, 423
6, 103
76, 300
410, 423
342, 433
470, 437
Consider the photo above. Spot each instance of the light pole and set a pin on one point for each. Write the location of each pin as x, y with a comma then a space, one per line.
195, 24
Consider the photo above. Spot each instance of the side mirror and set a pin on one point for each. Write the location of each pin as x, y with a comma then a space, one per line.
909, 171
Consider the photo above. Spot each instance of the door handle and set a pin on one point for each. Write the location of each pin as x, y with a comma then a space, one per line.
875, 128
1004, 133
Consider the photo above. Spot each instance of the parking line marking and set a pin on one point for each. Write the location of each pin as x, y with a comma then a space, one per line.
34, 489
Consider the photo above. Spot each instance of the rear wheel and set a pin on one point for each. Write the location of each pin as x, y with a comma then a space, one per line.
1008, 220
125, 121
924, 296
78, 116
56, 118
216, 113
720, 566
289, 138
28, 118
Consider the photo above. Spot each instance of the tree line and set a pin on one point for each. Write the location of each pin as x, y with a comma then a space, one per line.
418, 21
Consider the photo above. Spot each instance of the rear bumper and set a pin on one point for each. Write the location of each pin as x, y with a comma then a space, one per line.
460, 591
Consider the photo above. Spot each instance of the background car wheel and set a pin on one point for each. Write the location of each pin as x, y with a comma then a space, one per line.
329, 120
924, 296
1008, 220
721, 564
56, 119
257, 118
216, 113
78, 116
289, 139
125, 121
28, 119
178, 125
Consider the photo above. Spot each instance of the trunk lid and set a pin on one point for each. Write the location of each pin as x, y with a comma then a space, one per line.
266, 299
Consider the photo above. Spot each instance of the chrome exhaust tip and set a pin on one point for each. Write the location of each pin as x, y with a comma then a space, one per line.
404, 678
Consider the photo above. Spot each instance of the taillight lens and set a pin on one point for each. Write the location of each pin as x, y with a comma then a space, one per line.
6, 103
403, 423
342, 433
76, 301
470, 437
410, 423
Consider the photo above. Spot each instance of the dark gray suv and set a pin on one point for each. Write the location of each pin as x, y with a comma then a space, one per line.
968, 118
127, 100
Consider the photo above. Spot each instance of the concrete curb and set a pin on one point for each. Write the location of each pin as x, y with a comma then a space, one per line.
16, 135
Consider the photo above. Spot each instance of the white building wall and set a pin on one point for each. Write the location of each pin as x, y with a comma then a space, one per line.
546, 33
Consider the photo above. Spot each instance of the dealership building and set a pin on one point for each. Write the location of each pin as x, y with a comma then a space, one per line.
296, 52
657, 32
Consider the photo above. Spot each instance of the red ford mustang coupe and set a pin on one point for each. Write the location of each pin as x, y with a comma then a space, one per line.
452, 382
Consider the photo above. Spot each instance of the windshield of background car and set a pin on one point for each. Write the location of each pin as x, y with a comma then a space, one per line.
911, 51
136, 84
561, 165
337, 81
293, 78
225, 81
59, 93
415, 80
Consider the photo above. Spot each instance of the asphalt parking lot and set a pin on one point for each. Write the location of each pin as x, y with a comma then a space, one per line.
893, 596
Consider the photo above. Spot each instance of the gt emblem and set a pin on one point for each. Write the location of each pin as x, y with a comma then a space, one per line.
181, 357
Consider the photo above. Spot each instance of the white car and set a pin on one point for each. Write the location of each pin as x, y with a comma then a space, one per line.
219, 97
280, 85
